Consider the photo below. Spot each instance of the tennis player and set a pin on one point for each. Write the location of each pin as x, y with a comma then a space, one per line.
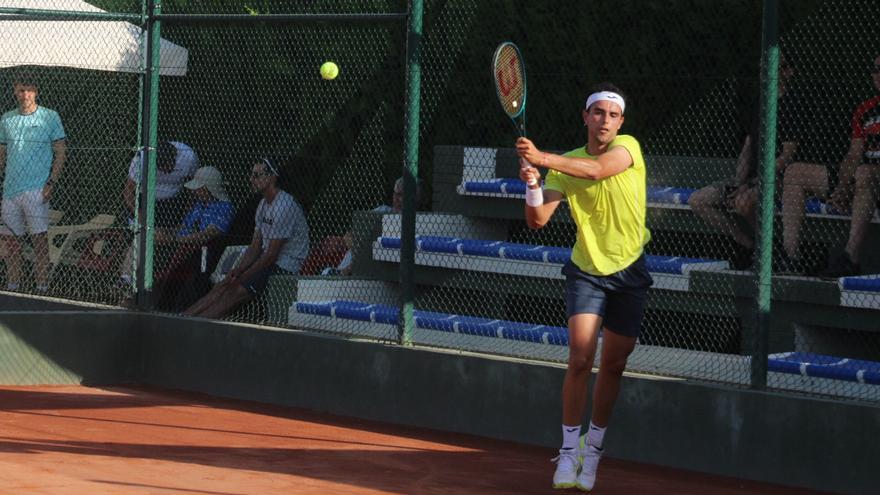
606, 278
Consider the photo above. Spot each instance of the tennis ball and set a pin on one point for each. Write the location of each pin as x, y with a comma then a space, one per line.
329, 71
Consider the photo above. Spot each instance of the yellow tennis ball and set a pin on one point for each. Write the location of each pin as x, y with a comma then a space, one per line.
329, 71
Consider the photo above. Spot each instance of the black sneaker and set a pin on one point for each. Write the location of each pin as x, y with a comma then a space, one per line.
743, 258
840, 266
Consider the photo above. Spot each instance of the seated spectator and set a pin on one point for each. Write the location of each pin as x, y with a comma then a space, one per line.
189, 255
175, 164
279, 245
333, 256
731, 205
855, 191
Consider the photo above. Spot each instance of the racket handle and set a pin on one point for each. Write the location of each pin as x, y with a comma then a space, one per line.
532, 182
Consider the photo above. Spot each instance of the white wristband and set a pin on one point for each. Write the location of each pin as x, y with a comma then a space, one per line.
534, 197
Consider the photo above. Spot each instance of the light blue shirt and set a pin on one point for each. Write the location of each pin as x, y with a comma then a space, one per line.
28, 140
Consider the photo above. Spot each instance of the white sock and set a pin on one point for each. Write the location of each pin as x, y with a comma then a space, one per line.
570, 436
596, 435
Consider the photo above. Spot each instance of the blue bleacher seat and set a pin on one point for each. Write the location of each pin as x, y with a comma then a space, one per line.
676, 265
669, 195
657, 195
427, 320
863, 283
822, 366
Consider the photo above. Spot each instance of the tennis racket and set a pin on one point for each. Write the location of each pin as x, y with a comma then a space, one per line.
509, 73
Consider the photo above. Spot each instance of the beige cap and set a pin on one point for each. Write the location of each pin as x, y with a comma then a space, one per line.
211, 178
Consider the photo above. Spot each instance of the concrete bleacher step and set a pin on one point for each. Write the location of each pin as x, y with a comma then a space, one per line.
821, 366
669, 272
860, 292
791, 371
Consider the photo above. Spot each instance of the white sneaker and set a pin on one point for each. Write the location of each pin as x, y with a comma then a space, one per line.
589, 457
567, 465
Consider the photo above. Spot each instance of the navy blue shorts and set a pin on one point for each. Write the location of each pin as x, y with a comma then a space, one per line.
618, 298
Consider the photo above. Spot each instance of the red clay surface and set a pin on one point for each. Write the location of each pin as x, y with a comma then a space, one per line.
73, 440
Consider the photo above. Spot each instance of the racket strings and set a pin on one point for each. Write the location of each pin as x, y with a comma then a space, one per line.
509, 80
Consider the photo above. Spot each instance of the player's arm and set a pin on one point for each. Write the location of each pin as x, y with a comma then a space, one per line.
610, 163
540, 204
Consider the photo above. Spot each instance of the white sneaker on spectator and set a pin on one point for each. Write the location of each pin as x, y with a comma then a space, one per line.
589, 457
567, 465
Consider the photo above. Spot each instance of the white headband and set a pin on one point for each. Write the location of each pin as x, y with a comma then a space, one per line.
606, 96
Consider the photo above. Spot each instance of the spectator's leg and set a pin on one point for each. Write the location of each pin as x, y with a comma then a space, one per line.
36, 214
708, 203
14, 221
13, 261
233, 297
210, 298
801, 180
41, 260
864, 203
745, 205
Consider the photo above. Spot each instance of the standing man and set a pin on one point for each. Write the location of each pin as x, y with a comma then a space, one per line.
32, 153
606, 278
279, 245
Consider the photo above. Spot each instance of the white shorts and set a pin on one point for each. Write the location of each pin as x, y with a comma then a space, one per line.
25, 208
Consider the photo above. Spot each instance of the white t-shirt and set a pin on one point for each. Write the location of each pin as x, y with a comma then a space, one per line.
283, 218
168, 184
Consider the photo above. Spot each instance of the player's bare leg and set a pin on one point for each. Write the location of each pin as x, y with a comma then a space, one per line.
583, 334
615, 351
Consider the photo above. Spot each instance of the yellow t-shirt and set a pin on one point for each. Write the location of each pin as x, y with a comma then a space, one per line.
609, 213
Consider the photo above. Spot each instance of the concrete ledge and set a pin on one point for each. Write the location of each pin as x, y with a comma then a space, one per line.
806, 442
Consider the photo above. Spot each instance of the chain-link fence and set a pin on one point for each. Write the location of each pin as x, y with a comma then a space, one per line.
243, 114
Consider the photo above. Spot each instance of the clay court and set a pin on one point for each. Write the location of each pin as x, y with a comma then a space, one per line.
73, 439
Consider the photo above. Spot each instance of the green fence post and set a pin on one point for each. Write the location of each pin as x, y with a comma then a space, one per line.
767, 154
149, 131
410, 173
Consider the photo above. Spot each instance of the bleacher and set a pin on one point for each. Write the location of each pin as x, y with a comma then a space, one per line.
478, 203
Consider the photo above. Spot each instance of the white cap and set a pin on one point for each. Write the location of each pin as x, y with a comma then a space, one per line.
211, 178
